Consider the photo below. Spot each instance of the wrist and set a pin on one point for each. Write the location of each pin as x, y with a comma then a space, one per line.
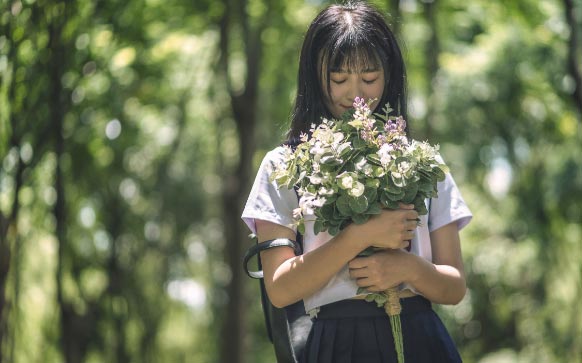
415, 266
354, 238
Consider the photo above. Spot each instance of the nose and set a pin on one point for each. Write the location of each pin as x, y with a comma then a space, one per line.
354, 89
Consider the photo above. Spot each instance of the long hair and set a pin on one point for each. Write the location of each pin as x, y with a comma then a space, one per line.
355, 36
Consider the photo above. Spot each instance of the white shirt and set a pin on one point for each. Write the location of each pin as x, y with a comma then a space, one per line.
267, 202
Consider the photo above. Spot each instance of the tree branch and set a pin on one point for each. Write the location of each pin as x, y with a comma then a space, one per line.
573, 62
432, 50
396, 14
223, 44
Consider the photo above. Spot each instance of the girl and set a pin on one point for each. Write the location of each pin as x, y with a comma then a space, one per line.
349, 51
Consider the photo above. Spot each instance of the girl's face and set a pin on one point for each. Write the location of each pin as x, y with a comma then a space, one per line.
346, 85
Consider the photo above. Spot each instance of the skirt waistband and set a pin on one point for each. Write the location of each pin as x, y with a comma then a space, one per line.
362, 309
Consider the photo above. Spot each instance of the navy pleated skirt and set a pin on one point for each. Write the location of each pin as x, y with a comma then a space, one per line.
356, 331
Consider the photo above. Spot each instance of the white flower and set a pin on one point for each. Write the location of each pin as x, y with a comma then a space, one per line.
297, 213
326, 136
346, 180
325, 191
317, 149
357, 190
315, 179
306, 203
327, 162
318, 202
385, 153
404, 167
327, 177
367, 170
316, 167
343, 147
360, 163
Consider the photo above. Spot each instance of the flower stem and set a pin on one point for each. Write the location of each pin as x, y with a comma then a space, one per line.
393, 309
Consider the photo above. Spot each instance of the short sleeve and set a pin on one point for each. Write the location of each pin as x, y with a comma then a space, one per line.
266, 201
449, 206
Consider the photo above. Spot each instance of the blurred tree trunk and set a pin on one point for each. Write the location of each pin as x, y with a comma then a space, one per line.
394, 8
117, 277
9, 222
237, 179
431, 51
8, 239
74, 326
574, 61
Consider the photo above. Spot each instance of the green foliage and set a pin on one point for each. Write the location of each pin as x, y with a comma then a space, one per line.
349, 169
135, 92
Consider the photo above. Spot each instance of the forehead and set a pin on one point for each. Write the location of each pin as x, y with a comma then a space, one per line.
352, 61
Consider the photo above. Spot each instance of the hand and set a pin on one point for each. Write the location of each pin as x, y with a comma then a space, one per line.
390, 229
382, 270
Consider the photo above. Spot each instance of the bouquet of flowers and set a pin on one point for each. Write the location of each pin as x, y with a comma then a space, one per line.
350, 169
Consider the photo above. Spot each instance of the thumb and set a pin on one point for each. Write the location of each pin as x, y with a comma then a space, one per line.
406, 206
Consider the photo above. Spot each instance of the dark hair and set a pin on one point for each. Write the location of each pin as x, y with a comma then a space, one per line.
354, 35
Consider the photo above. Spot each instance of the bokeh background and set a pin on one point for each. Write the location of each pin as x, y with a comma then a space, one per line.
130, 132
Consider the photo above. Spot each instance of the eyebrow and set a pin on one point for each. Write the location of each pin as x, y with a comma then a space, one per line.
342, 70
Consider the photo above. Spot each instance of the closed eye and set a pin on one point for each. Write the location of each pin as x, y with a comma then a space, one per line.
370, 81
338, 81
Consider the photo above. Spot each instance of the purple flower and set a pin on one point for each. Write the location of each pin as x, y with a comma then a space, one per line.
359, 102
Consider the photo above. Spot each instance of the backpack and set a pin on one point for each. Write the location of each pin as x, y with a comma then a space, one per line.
287, 327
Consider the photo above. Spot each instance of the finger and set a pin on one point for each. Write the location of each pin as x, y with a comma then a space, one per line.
357, 273
406, 206
412, 215
409, 235
374, 288
358, 262
411, 224
404, 244
364, 282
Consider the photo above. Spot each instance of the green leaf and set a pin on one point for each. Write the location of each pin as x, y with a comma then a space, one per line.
343, 205
394, 197
330, 199
374, 159
372, 183
374, 208
358, 143
331, 160
399, 182
327, 211
410, 193
425, 186
301, 228
421, 208
318, 226
371, 194
387, 202
390, 186
360, 218
359, 204
344, 149
439, 174
333, 230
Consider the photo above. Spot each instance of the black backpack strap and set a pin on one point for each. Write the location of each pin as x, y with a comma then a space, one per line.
257, 248
288, 327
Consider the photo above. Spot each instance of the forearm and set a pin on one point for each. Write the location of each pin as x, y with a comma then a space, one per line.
441, 284
301, 276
